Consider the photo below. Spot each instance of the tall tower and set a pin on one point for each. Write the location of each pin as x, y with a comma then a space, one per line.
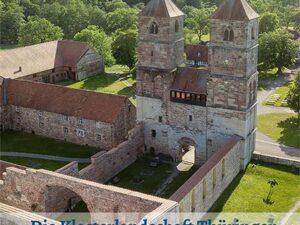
232, 85
160, 46
160, 52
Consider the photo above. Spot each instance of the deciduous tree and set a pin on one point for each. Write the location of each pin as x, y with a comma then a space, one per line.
268, 22
98, 39
39, 30
124, 48
293, 97
276, 49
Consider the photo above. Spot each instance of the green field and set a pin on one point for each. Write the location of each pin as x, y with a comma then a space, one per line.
35, 163
249, 189
282, 127
149, 185
107, 83
15, 141
282, 92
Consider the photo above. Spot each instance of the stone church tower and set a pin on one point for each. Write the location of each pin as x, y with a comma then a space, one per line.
232, 85
185, 108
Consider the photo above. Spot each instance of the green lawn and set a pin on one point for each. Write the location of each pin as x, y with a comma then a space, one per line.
35, 163
282, 127
282, 92
117, 69
15, 141
106, 83
151, 182
249, 189
179, 180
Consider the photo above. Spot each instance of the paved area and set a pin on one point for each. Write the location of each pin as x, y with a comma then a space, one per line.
264, 144
48, 157
268, 146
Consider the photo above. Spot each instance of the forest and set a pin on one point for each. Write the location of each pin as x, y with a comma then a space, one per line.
110, 26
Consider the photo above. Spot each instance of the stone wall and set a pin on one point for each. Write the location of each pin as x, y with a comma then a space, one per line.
31, 189
90, 64
206, 185
70, 169
276, 160
105, 165
63, 127
4, 165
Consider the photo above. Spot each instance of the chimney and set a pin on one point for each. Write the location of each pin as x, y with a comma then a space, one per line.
20, 69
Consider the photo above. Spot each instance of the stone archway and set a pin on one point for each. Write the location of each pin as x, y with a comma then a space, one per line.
58, 199
187, 150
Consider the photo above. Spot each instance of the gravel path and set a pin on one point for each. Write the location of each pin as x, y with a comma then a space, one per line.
48, 157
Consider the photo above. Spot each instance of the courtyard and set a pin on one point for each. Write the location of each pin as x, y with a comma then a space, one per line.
112, 82
161, 180
20, 142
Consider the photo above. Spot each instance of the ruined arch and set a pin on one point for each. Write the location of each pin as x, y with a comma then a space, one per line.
62, 199
187, 150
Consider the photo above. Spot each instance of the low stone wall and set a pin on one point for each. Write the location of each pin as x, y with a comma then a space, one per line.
4, 165
276, 160
106, 165
70, 169
199, 192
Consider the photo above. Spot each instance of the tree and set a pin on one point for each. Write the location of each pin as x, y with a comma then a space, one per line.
268, 22
97, 38
276, 49
293, 97
272, 184
198, 21
39, 30
11, 20
124, 48
121, 19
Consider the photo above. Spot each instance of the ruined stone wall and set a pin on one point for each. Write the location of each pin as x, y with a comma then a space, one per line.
105, 165
70, 169
4, 165
90, 64
200, 192
71, 129
28, 189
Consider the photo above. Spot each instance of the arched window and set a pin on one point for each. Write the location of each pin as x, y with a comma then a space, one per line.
176, 26
252, 33
228, 34
153, 28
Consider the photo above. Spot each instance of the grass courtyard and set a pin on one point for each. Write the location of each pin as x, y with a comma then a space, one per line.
249, 189
107, 83
15, 141
141, 177
282, 127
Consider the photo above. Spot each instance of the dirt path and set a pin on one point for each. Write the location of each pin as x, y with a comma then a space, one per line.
47, 157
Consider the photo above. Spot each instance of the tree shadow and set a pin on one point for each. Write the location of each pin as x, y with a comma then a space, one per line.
221, 201
127, 91
290, 134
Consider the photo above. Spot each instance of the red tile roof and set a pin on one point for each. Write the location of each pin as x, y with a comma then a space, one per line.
203, 170
41, 57
161, 8
191, 80
67, 101
234, 10
196, 52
